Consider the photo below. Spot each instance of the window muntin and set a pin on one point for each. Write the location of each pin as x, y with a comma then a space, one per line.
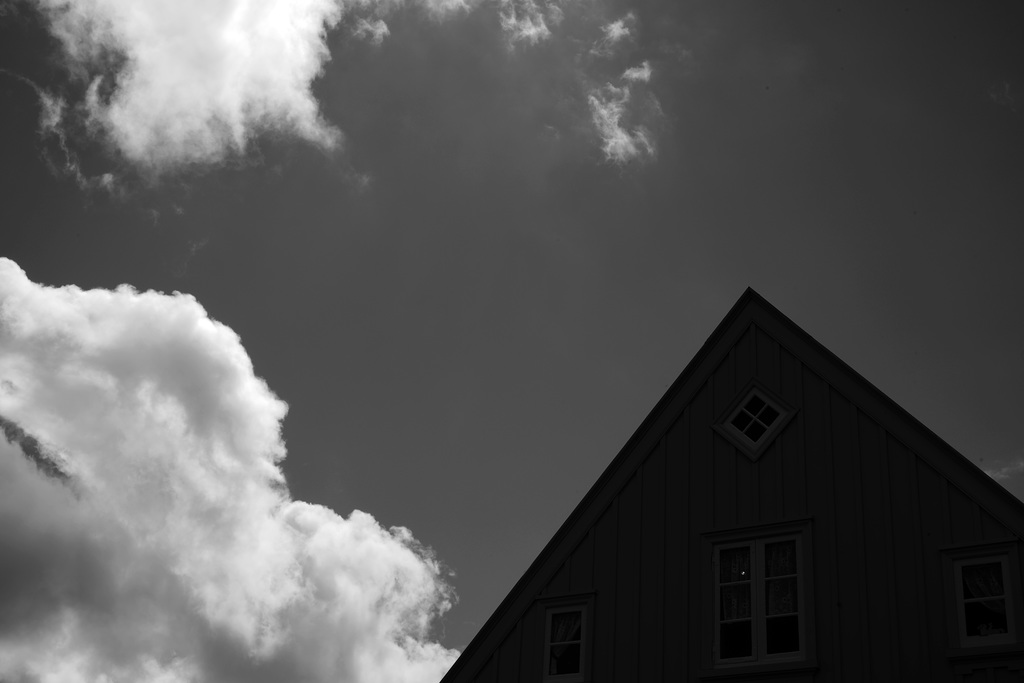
984, 602
758, 601
755, 417
565, 643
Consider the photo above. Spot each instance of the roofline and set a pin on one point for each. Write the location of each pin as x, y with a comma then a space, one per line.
887, 403
748, 301
609, 471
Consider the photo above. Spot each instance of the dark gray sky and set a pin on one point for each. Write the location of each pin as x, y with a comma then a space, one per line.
469, 305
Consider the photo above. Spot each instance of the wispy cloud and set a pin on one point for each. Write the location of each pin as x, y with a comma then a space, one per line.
612, 106
638, 74
147, 530
374, 31
523, 21
1006, 471
1003, 95
58, 155
613, 33
620, 144
615, 103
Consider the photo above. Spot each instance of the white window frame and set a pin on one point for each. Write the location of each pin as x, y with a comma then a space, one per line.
584, 609
758, 616
753, 449
1008, 599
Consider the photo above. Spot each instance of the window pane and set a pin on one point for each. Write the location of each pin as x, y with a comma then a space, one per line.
985, 617
983, 580
734, 640
782, 634
755, 431
734, 565
780, 558
768, 415
565, 626
781, 596
753, 405
735, 601
741, 420
565, 659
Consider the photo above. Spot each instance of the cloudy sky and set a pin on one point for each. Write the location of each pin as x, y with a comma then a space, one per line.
317, 317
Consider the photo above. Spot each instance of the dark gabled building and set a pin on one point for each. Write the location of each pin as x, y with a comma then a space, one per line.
775, 517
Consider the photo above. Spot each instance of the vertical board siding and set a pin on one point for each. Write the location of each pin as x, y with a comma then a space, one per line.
877, 550
935, 534
559, 583
744, 502
677, 541
962, 515
627, 602
724, 384
992, 529
849, 565
913, 648
920, 546
768, 367
880, 519
605, 552
769, 482
723, 459
700, 509
744, 360
723, 464
893, 570
768, 474
489, 674
813, 419
701, 443
794, 479
531, 659
581, 566
652, 567
509, 655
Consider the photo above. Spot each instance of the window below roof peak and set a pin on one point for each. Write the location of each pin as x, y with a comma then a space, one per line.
754, 419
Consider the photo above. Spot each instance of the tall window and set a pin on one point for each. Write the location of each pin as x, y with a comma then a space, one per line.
984, 605
565, 643
759, 603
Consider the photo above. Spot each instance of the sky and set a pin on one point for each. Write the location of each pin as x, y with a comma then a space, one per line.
318, 317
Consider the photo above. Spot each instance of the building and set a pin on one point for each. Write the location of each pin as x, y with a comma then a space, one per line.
775, 517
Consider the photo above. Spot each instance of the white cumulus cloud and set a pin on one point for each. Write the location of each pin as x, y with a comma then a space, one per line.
174, 83
146, 534
177, 82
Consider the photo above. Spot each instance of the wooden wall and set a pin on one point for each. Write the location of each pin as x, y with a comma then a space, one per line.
880, 515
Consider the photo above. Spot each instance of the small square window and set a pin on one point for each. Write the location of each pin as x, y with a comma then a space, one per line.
754, 417
753, 420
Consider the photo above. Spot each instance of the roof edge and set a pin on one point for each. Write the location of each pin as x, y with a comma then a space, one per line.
749, 296
745, 307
